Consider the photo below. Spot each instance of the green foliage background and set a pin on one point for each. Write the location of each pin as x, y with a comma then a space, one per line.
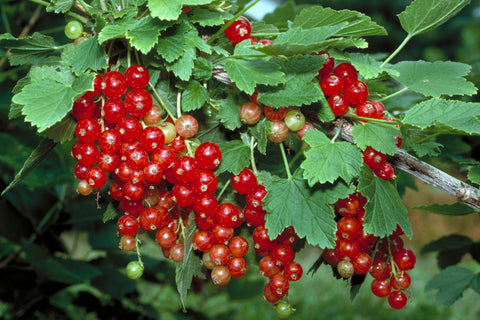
57, 260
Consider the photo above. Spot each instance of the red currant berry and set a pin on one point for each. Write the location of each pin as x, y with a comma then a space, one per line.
208, 155
205, 183
237, 267
138, 102
349, 229
254, 216
127, 243
137, 77
261, 239
401, 282
282, 254
362, 263
404, 259
228, 215
88, 130
373, 158
127, 225
397, 299
84, 188
83, 107
381, 269
239, 30
338, 104
114, 110
150, 218
114, 85
202, 240
151, 139
220, 275
108, 162
96, 178
186, 126
366, 109
293, 271
279, 284
269, 295
332, 85
255, 196
330, 257
219, 254
345, 268
356, 92
346, 71
183, 195
327, 65
153, 116
133, 191
97, 88
381, 288
129, 128
307, 126
166, 237
244, 182
238, 246
385, 171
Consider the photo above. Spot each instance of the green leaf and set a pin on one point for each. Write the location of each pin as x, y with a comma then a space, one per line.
60, 6
306, 210
368, 66
351, 23
248, 73
110, 213
56, 269
450, 284
453, 241
260, 131
183, 67
449, 116
474, 175
35, 158
235, 156
376, 135
228, 113
62, 131
203, 69
28, 50
475, 283
89, 55
190, 266
424, 15
299, 41
194, 96
171, 10
171, 46
144, 34
428, 78
208, 17
326, 161
454, 209
384, 209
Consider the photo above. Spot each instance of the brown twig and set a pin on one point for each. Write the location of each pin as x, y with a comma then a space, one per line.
402, 159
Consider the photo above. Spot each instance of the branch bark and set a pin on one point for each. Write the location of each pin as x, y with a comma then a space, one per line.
402, 160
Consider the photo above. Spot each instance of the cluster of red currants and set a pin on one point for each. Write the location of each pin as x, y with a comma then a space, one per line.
355, 248
344, 90
223, 253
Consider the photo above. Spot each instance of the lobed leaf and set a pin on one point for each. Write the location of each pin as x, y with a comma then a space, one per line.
384, 209
60, 6
228, 113
351, 23
429, 78
28, 50
306, 210
326, 161
448, 116
453, 241
194, 96
453, 209
235, 156
88, 55
424, 15
171, 10
380, 137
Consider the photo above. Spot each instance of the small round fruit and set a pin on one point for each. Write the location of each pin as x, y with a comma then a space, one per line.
186, 126
134, 270
283, 310
73, 29
345, 269
250, 113
278, 132
239, 30
220, 275
397, 299
294, 120
404, 259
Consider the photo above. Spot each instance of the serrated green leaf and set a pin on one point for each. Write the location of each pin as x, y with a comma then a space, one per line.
171, 46
208, 17
144, 34
203, 69
171, 10
190, 265
35, 158
60, 6
454, 209
88, 55
235, 156
376, 135
475, 283
183, 67
306, 210
428, 78
62, 131
453, 241
28, 50
228, 113
298, 90
351, 23
449, 116
194, 96
247, 73
260, 131
325, 114
299, 41
384, 209
326, 161
368, 66
424, 15
110, 213
54, 73
450, 284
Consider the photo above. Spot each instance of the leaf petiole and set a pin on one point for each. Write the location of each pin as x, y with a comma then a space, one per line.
161, 102
400, 47
285, 161
394, 94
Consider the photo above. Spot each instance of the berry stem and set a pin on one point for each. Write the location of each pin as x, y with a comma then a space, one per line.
157, 96
352, 115
252, 157
189, 148
220, 194
137, 247
179, 107
394, 94
400, 47
338, 131
226, 25
285, 161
